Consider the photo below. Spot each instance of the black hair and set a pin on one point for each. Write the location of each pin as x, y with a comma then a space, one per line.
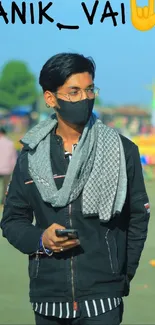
2, 130
61, 66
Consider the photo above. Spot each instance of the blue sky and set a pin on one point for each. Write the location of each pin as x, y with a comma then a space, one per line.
125, 57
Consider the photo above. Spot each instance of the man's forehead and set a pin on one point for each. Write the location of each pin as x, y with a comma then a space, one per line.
80, 80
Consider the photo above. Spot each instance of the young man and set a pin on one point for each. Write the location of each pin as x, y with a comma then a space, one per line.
76, 173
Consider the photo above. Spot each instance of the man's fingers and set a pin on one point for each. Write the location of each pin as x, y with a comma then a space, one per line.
151, 6
63, 249
60, 239
71, 246
71, 242
67, 243
59, 243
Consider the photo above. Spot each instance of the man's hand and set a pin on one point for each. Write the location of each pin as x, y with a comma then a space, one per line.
142, 19
57, 244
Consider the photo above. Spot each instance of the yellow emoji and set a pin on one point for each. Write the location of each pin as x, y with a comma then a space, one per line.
142, 19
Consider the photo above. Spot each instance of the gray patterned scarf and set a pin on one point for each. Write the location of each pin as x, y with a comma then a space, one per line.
97, 169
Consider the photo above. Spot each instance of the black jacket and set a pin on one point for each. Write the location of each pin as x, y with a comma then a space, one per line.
109, 253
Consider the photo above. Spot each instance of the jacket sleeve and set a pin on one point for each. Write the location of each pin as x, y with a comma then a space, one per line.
139, 212
17, 217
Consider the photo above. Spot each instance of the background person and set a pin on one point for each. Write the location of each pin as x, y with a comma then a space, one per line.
8, 157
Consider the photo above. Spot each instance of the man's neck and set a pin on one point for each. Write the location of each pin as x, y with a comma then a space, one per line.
69, 133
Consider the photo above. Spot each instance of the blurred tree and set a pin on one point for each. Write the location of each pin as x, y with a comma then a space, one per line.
42, 108
17, 85
98, 101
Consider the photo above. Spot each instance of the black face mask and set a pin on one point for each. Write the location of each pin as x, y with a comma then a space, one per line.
77, 113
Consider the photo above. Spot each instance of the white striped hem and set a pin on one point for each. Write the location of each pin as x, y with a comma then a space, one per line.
36, 307
60, 315
95, 308
53, 312
91, 308
41, 307
109, 303
46, 309
102, 305
118, 300
115, 302
67, 307
87, 308
74, 314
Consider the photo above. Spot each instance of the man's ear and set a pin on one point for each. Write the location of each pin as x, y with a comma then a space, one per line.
50, 98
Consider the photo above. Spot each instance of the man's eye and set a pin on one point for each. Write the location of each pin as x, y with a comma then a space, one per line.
90, 90
74, 92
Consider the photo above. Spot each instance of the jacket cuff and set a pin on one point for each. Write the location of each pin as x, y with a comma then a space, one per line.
47, 251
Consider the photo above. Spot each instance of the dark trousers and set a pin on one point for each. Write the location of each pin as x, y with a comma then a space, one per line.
113, 317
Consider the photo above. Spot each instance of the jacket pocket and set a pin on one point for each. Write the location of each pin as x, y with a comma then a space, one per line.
34, 262
112, 251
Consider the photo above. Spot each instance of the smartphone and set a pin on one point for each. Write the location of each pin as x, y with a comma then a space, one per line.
70, 233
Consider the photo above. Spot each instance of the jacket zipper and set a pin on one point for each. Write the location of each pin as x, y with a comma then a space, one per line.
75, 306
37, 260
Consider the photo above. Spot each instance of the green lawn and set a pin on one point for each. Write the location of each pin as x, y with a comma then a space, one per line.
14, 301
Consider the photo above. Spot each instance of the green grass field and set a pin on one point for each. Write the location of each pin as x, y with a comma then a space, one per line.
14, 301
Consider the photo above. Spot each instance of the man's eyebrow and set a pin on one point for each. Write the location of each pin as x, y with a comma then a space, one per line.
92, 85
75, 87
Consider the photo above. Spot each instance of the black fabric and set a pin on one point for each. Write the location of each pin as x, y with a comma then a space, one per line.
109, 254
113, 317
77, 113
